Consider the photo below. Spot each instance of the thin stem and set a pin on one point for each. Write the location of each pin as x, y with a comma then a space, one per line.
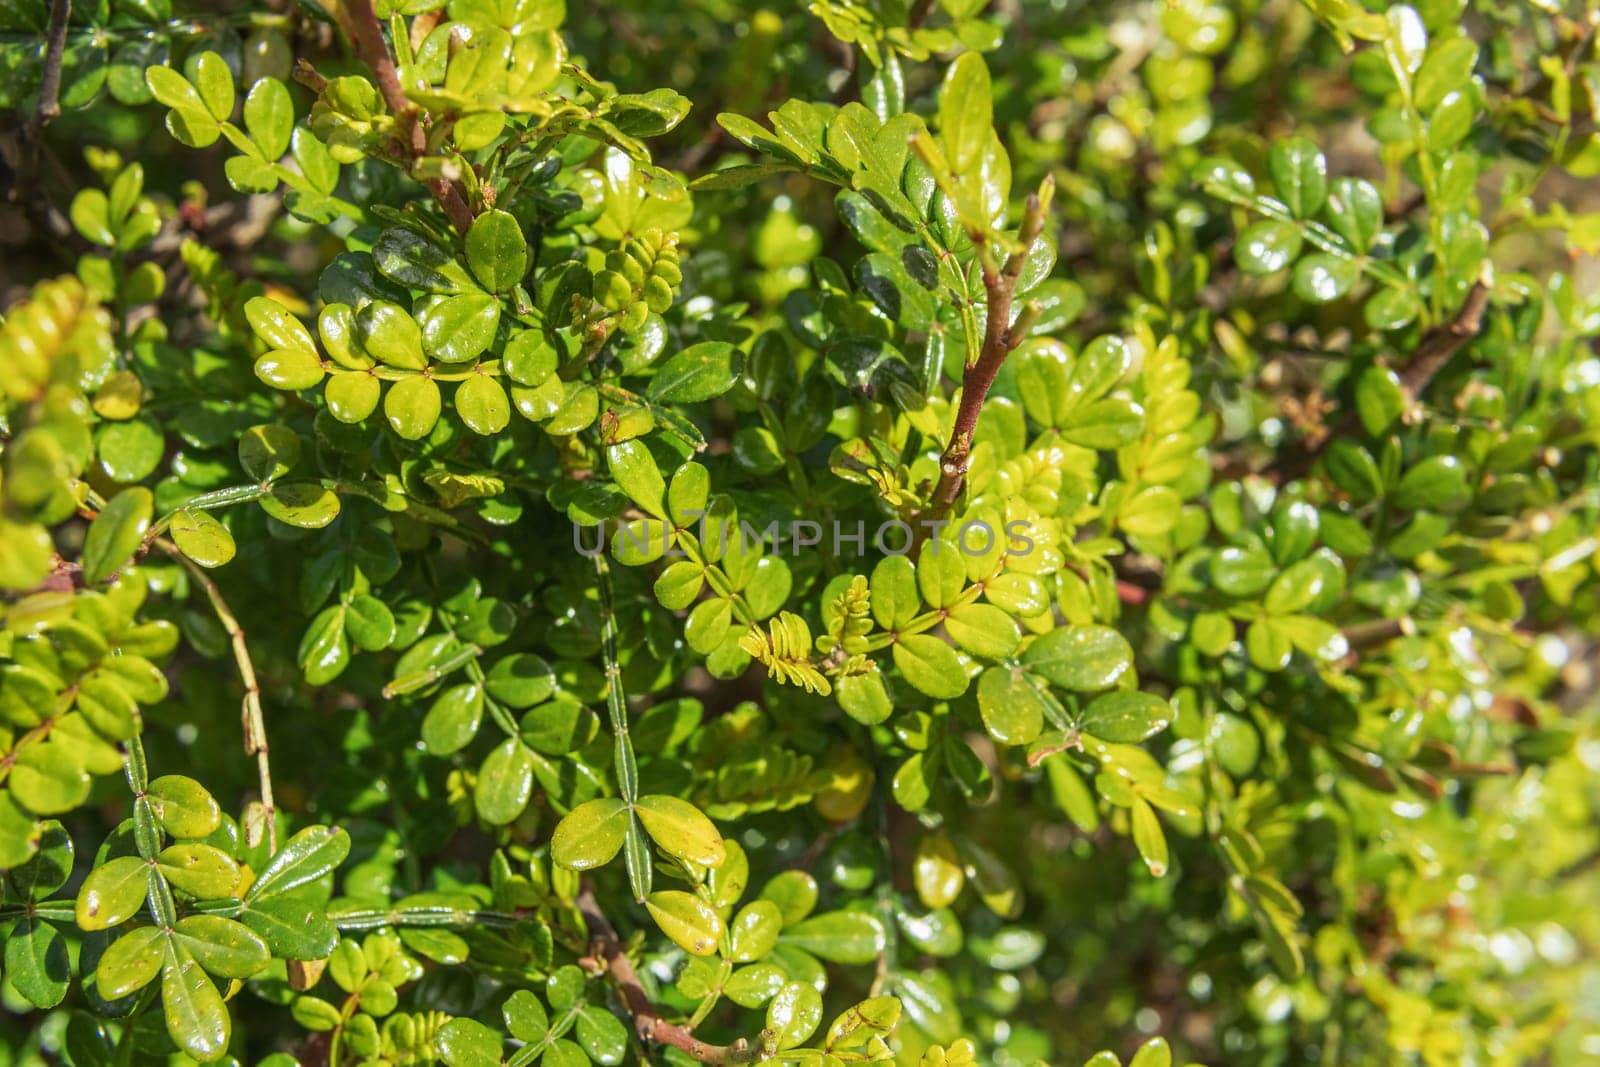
999, 338
255, 727
366, 33
616, 703
55, 47
608, 955
1437, 347
377, 918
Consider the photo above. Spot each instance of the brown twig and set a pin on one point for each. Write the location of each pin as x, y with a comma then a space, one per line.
919, 14
608, 955
999, 337
361, 24
55, 47
254, 723
1441, 344
1438, 346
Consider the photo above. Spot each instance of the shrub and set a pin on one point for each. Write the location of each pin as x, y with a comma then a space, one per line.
998, 533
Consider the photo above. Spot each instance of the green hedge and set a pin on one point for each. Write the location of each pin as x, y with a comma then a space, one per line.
933, 533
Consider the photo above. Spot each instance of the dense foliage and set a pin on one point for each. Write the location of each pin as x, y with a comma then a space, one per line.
935, 533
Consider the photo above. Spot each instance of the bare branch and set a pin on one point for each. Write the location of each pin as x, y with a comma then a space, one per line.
607, 954
361, 23
999, 338
1437, 347
54, 48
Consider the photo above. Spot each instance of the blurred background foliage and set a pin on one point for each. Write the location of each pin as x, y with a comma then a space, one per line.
1462, 931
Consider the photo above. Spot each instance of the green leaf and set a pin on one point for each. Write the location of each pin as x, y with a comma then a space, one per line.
482, 404
417, 263
289, 370
1104, 424
112, 893
854, 1028
456, 329
1148, 837
452, 720
681, 829
505, 782
305, 857
529, 358
90, 215
268, 452
754, 931
1151, 512
1447, 68
687, 920
1314, 637
36, 962
369, 622
1299, 174
1294, 588
269, 117
1013, 710
49, 778
895, 599
1355, 208
1242, 572
324, 650
1126, 717
1268, 644
202, 538
183, 806
1392, 309
700, 372
497, 251
795, 893
1083, 658
197, 1019
468, 1043
602, 1036
307, 505
130, 963
1266, 246
19, 833
412, 407
525, 1017
591, 834
930, 665
279, 329
202, 871
634, 470
1437, 483
292, 925
966, 115
49, 867
352, 395
226, 948
520, 680
389, 334
863, 697
215, 82
795, 1013
1323, 276
115, 534
838, 936
1153, 1053
564, 1053
172, 89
